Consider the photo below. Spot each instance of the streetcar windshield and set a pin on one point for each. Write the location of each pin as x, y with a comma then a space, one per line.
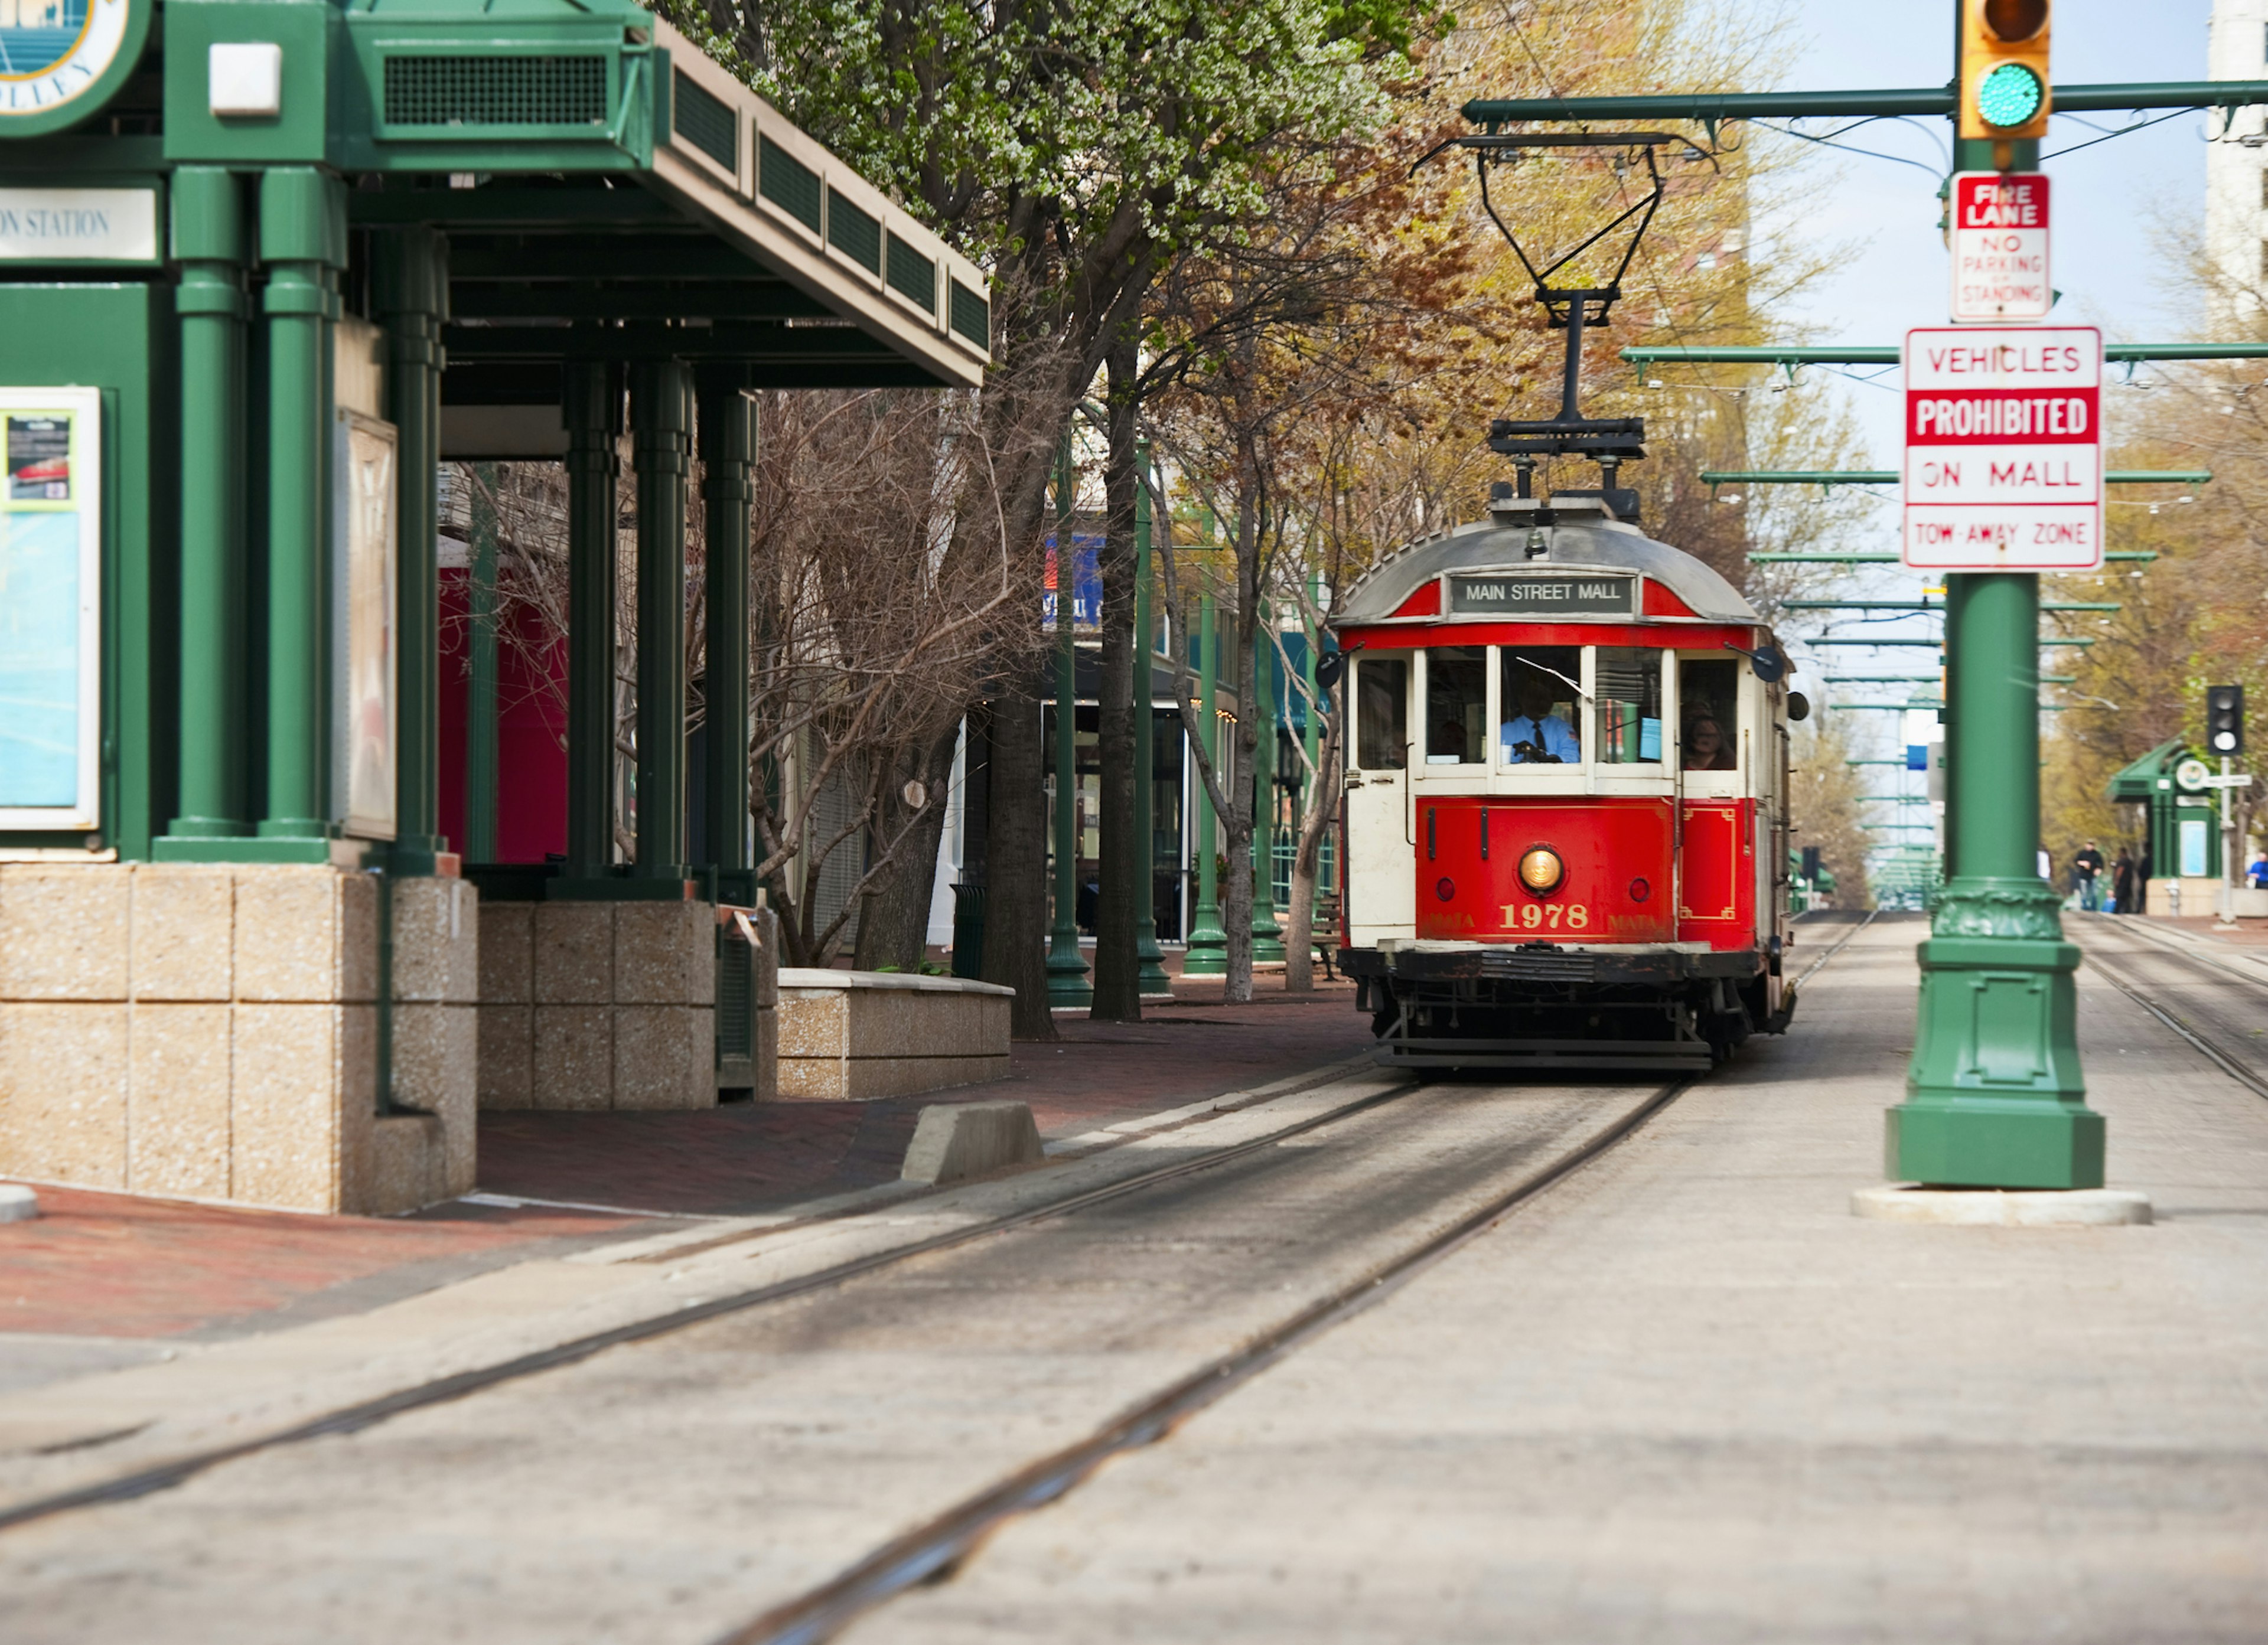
1456, 704
1382, 692
1540, 711
1626, 681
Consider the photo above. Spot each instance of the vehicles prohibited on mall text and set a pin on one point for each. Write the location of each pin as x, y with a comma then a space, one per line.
2001, 248
2004, 448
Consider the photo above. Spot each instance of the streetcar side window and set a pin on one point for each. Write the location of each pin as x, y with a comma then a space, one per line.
1541, 717
1626, 682
1382, 692
1709, 715
1457, 705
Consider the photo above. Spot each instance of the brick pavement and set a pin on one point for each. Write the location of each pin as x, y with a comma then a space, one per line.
113, 1265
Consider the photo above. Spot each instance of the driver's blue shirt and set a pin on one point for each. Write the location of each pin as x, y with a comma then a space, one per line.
1553, 735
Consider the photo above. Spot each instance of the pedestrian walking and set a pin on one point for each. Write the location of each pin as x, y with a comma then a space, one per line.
2122, 883
2257, 874
2088, 865
2142, 880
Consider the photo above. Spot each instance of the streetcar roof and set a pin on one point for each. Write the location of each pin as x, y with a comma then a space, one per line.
1581, 536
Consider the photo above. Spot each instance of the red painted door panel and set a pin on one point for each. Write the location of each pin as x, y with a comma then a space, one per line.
1719, 878
1617, 882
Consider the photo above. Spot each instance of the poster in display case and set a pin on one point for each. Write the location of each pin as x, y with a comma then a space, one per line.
366, 537
50, 608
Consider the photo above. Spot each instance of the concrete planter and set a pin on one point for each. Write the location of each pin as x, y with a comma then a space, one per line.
846, 1035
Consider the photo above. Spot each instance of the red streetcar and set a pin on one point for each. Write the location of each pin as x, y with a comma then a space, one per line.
1567, 808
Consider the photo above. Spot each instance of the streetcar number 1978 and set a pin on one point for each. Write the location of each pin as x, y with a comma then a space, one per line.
1546, 916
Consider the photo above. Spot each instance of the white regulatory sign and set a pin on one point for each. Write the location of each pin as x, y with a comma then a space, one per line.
2000, 248
2004, 449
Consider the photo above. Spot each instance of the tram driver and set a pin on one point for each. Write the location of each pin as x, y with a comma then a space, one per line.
1536, 735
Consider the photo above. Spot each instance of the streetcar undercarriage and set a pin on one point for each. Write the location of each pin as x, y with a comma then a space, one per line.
1540, 1006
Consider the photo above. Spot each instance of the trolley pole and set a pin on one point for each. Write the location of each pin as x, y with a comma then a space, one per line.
1994, 1096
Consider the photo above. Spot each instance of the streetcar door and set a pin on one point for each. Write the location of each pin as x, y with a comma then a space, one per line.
1381, 898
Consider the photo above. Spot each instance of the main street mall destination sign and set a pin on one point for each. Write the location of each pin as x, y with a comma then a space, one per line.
61, 60
2004, 449
1533, 594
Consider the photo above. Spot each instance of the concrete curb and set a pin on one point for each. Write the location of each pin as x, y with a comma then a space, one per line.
1999, 1208
955, 1142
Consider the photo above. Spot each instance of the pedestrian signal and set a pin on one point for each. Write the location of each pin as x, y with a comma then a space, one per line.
2224, 719
2004, 69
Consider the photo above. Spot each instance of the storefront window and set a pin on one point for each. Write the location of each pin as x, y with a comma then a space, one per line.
1541, 711
1626, 681
1381, 694
1457, 705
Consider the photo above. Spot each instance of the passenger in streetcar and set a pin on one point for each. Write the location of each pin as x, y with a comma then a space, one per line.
1536, 735
1706, 747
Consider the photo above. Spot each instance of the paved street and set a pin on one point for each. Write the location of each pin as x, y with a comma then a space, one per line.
1682, 1395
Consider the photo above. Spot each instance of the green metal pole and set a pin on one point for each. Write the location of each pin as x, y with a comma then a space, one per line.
1994, 1096
479, 841
1067, 984
1153, 980
593, 411
1312, 715
409, 290
728, 451
1267, 937
208, 239
660, 427
298, 229
1207, 954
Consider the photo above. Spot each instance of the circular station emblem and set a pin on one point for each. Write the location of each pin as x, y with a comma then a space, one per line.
2192, 775
61, 59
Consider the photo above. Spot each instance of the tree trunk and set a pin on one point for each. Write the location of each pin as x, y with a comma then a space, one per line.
1125, 837
1016, 900
894, 916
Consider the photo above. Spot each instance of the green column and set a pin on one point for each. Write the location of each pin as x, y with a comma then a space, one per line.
209, 242
1994, 1096
1154, 979
1312, 714
409, 294
728, 449
302, 240
479, 841
1267, 938
1067, 984
593, 409
660, 427
1207, 954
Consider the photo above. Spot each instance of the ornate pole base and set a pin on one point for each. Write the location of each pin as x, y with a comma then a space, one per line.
1067, 984
1208, 951
1153, 981
1994, 1098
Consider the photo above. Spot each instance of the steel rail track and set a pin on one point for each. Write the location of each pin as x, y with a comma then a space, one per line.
2235, 1070
934, 1548
367, 1414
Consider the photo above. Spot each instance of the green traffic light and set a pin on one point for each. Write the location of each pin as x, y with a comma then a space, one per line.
2009, 95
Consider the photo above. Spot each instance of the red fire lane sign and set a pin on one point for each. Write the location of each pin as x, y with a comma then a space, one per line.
2000, 248
2004, 448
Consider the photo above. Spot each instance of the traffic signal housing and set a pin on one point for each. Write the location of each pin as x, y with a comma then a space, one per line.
2005, 89
2224, 719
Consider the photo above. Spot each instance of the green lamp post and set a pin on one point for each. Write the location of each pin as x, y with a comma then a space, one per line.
1152, 980
1267, 939
1067, 984
1208, 944
1994, 1096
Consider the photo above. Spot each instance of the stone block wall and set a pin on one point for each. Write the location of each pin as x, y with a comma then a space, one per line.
598, 1005
847, 1035
211, 1033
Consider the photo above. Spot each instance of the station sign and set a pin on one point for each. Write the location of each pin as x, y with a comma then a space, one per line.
2004, 449
1999, 236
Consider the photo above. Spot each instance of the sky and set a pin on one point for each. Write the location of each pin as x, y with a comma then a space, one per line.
2110, 203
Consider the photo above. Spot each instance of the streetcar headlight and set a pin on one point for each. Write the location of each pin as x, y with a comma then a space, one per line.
1541, 870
